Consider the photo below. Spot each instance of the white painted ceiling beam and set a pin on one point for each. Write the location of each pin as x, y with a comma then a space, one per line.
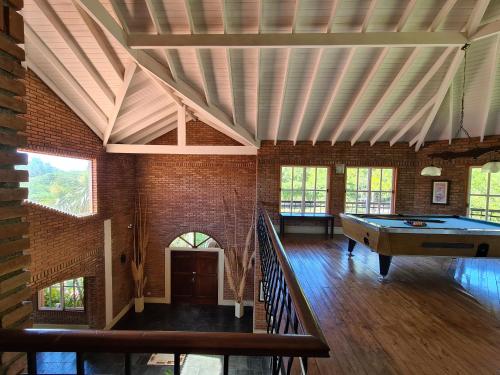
34, 40
279, 112
120, 96
103, 43
70, 41
449, 125
151, 128
134, 116
412, 121
95, 9
416, 90
476, 17
490, 29
123, 133
442, 14
119, 14
178, 150
488, 93
156, 134
299, 40
181, 126
443, 89
54, 87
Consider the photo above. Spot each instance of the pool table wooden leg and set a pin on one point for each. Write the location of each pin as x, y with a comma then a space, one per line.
384, 263
350, 246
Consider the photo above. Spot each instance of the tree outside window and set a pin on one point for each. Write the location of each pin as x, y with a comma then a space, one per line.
484, 195
66, 295
369, 190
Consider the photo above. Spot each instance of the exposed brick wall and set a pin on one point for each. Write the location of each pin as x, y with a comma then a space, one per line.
63, 246
197, 133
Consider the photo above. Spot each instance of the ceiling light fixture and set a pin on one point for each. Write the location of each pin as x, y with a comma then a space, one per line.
431, 171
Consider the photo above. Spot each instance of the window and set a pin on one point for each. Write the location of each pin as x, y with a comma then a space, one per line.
484, 195
66, 295
304, 189
369, 190
62, 183
194, 240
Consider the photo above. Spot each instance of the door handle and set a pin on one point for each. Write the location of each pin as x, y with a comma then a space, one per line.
194, 272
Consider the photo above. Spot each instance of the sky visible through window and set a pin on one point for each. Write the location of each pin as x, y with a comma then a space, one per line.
62, 183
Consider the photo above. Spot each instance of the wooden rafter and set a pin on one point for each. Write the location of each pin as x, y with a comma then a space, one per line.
488, 94
213, 114
416, 90
154, 127
490, 29
120, 96
476, 16
443, 89
284, 82
402, 131
152, 135
103, 43
33, 40
181, 126
71, 42
177, 150
119, 15
298, 40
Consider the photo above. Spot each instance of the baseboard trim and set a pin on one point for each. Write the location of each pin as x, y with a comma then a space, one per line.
230, 302
308, 229
61, 326
120, 315
156, 300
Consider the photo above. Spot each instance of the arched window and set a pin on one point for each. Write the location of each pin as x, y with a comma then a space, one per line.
194, 240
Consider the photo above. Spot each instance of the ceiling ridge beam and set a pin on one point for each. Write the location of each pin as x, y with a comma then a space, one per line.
73, 45
37, 43
421, 112
120, 97
212, 113
484, 114
416, 90
298, 40
181, 150
441, 93
103, 43
76, 109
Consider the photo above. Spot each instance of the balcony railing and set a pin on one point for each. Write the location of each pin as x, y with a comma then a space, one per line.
292, 327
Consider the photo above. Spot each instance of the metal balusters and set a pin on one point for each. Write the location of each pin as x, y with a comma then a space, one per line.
177, 364
128, 367
80, 364
32, 363
226, 365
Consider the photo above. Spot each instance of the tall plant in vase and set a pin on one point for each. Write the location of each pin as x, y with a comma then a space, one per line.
141, 240
238, 257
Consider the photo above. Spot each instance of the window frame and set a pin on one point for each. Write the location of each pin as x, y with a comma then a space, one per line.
194, 246
62, 288
327, 190
488, 195
92, 184
369, 191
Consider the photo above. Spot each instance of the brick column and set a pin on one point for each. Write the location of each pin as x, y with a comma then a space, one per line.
15, 308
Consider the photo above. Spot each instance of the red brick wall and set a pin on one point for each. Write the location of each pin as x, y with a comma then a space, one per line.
63, 246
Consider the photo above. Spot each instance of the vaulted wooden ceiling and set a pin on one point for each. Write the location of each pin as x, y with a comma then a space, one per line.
324, 70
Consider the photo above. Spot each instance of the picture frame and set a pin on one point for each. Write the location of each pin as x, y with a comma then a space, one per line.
440, 192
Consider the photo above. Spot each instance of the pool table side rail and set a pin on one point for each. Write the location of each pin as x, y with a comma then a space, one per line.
363, 219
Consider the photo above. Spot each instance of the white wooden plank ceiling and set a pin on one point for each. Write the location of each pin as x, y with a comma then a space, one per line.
325, 70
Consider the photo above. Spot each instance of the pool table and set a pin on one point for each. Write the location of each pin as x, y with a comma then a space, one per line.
421, 235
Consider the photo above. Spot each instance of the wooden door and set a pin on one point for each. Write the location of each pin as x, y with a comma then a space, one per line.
194, 277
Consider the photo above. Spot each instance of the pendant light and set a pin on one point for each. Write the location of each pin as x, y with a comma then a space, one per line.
431, 171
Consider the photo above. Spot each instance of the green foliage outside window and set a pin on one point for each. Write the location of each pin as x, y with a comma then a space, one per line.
68, 295
369, 190
60, 183
484, 195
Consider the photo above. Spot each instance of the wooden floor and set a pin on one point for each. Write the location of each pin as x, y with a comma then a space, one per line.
418, 321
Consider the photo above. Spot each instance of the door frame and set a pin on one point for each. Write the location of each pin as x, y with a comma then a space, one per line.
220, 272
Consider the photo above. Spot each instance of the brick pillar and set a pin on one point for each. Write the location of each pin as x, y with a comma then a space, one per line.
15, 295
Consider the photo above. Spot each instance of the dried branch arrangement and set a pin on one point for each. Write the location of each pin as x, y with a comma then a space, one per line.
141, 240
238, 257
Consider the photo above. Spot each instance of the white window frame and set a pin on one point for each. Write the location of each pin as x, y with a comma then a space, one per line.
488, 194
61, 297
369, 191
302, 206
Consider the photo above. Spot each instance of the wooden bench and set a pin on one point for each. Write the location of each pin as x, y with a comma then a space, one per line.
327, 218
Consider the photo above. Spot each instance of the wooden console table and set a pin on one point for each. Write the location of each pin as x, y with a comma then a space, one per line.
327, 218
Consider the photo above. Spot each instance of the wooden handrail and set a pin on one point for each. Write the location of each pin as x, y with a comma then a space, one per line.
311, 343
305, 313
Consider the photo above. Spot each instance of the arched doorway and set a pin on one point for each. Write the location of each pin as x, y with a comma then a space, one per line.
194, 269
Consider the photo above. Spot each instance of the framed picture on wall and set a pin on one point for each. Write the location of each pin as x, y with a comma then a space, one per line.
440, 192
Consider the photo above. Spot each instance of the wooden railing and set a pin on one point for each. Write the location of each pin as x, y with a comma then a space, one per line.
292, 327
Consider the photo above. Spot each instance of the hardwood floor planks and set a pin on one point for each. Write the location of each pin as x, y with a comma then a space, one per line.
431, 315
